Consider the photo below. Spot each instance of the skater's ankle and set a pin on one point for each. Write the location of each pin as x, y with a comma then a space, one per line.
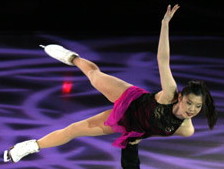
75, 59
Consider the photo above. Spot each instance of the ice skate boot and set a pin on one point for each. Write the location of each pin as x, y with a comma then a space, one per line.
21, 150
60, 53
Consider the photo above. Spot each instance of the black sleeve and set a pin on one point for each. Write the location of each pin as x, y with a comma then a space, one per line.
129, 157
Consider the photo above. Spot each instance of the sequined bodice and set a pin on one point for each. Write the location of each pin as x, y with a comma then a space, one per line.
163, 121
149, 117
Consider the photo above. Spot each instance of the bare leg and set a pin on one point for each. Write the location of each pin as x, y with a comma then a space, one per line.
110, 86
93, 126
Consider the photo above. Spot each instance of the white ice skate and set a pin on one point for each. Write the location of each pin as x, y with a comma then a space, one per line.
21, 150
60, 53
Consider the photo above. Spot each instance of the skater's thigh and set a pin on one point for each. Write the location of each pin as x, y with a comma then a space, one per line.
93, 126
110, 86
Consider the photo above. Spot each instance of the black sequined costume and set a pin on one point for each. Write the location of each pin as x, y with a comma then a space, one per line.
146, 115
136, 114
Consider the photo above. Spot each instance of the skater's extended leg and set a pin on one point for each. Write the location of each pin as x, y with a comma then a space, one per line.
110, 86
93, 126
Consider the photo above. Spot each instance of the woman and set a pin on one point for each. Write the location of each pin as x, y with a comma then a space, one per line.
136, 113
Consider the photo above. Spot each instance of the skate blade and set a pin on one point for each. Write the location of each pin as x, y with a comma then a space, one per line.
6, 156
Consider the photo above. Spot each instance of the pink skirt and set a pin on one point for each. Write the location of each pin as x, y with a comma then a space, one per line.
119, 108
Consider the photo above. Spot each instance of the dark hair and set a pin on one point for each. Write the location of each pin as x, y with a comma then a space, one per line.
199, 88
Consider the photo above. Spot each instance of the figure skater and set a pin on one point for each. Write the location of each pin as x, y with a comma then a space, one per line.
136, 114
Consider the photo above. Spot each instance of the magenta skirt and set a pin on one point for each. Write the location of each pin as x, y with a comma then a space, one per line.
119, 108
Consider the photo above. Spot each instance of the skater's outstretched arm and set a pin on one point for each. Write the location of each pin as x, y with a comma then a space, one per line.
169, 86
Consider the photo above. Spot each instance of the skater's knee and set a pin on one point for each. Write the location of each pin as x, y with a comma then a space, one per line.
73, 130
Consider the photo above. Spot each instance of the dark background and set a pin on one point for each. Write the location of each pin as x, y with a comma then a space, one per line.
195, 17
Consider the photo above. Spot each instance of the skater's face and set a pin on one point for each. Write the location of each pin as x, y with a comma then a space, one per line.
190, 105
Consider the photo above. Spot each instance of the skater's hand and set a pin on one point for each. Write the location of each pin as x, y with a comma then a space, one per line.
170, 12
